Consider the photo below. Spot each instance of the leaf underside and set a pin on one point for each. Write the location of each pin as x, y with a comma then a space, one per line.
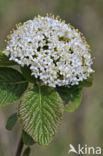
40, 113
12, 85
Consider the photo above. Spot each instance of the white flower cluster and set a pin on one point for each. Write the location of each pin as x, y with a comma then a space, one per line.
55, 52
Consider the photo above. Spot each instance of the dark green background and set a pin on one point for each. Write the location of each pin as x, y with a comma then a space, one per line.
84, 126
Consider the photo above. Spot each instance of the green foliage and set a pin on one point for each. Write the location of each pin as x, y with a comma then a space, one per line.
71, 96
12, 85
27, 74
11, 121
41, 108
27, 139
40, 113
88, 82
27, 151
4, 60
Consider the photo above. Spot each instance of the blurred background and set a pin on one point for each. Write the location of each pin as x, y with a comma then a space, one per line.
85, 125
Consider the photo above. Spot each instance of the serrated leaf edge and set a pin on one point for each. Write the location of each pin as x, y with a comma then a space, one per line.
59, 124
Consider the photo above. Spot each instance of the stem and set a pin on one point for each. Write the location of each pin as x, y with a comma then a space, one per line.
20, 147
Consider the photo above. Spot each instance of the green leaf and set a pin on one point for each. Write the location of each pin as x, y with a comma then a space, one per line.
4, 60
12, 85
88, 82
71, 96
40, 113
27, 74
11, 121
27, 139
27, 151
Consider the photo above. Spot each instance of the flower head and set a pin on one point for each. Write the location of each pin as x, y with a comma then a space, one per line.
55, 52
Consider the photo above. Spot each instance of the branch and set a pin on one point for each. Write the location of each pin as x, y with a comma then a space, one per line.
20, 147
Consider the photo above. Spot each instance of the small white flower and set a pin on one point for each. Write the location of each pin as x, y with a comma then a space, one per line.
55, 52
